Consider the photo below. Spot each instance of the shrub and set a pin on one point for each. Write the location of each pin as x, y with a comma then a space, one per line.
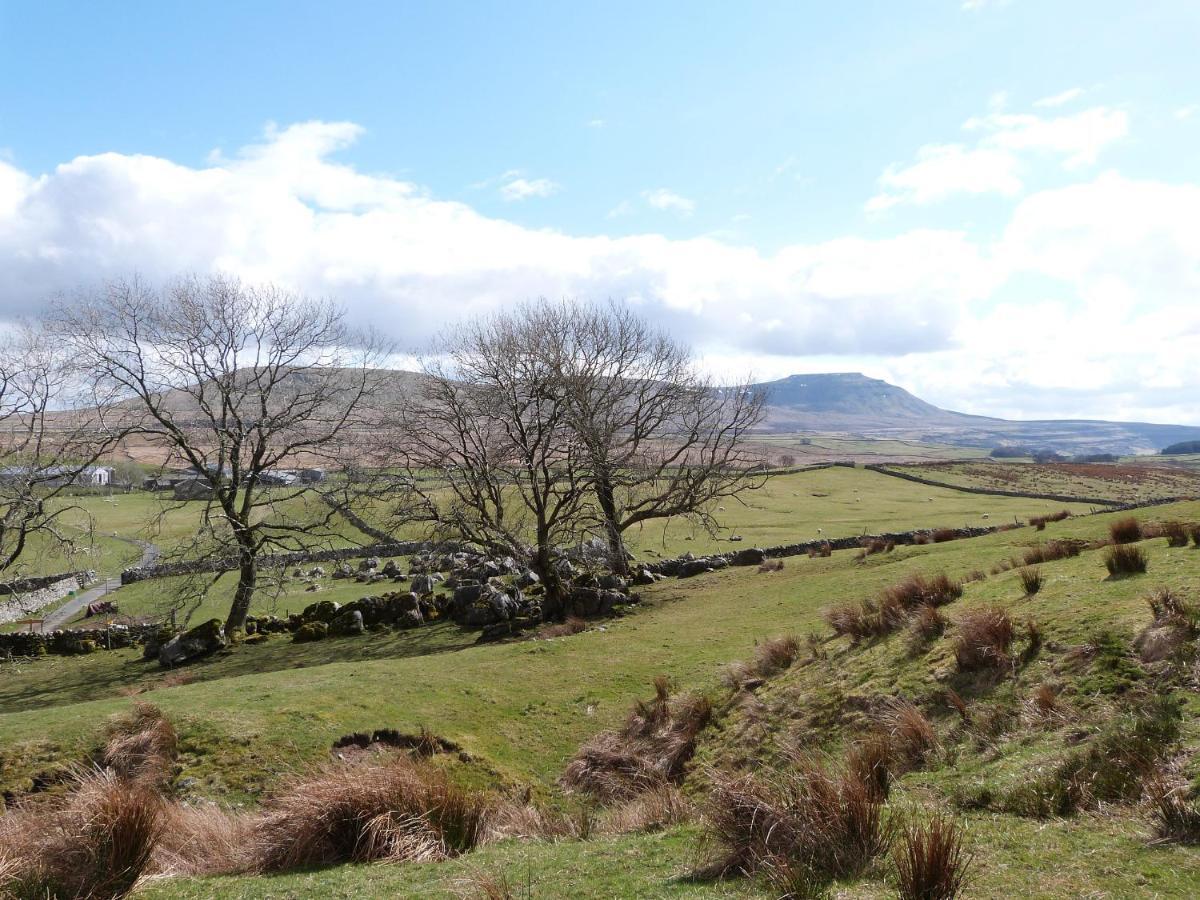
775, 655
1125, 531
983, 640
95, 841
658, 739
1031, 580
399, 810
799, 825
931, 863
1122, 559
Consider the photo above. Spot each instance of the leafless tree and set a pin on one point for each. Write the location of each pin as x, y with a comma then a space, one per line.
48, 440
236, 382
660, 439
490, 451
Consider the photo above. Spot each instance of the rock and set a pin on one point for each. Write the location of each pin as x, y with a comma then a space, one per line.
316, 572
422, 584
207, 637
486, 606
368, 564
612, 582
321, 611
390, 569
312, 588
751, 556
644, 577
735, 537
298, 573
310, 631
343, 571
701, 565
155, 641
526, 579
348, 623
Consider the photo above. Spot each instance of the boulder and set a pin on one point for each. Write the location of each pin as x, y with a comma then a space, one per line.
369, 564
644, 577
489, 606
526, 579
207, 637
321, 611
390, 569
751, 556
310, 631
422, 584
612, 582
348, 623
343, 571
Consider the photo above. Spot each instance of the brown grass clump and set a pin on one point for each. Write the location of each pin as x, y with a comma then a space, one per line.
869, 761
893, 608
941, 535
95, 841
1194, 532
1175, 533
1031, 581
1044, 705
771, 565
912, 735
871, 546
976, 575
1125, 531
651, 750
927, 623
1122, 559
775, 655
201, 840
1049, 552
955, 701
821, 551
655, 809
398, 810
141, 745
931, 862
800, 826
1175, 624
572, 625
984, 638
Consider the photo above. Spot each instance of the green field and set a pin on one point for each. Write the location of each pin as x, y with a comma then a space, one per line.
522, 708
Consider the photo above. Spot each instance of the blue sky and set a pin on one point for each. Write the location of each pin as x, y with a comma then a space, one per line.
902, 188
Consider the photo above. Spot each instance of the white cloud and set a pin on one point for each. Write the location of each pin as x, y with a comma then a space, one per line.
283, 210
1186, 112
669, 201
517, 188
1060, 99
998, 161
596, 123
977, 5
942, 170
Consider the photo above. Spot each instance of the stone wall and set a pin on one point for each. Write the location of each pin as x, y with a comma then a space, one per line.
74, 641
39, 582
991, 492
192, 567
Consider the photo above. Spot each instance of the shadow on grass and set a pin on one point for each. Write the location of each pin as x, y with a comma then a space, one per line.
56, 680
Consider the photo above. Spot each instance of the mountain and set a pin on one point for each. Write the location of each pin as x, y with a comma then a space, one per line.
851, 403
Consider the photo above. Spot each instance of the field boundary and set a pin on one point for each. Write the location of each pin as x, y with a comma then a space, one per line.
998, 492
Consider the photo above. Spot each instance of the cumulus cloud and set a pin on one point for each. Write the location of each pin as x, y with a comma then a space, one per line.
998, 161
285, 210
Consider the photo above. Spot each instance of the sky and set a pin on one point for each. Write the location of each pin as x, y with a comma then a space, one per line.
993, 203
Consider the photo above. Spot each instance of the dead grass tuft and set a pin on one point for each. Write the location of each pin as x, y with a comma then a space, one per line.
1123, 559
983, 639
652, 749
1125, 531
1031, 581
141, 745
572, 625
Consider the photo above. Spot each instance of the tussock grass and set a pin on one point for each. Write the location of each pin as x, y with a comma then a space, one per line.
1031, 580
399, 810
651, 750
141, 745
875, 617
1122, 559
931, 860
1125, 531
799, 827
1050, 552
912, 735
94, 841
1172, 806
983, 639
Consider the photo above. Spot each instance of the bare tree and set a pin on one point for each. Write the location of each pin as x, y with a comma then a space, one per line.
237, 383
48, 441
660, 439
490, 451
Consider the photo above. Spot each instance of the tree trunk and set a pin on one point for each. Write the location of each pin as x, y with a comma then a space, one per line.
554, 598
617, 561
247, 581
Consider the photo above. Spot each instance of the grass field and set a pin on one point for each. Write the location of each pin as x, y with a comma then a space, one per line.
522, 709
1129, 482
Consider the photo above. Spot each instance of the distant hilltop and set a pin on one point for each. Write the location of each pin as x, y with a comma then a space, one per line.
852, 403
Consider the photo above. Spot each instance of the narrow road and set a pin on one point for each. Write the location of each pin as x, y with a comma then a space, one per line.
59, 617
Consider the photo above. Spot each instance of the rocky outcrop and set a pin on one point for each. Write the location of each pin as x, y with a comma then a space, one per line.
203, 640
